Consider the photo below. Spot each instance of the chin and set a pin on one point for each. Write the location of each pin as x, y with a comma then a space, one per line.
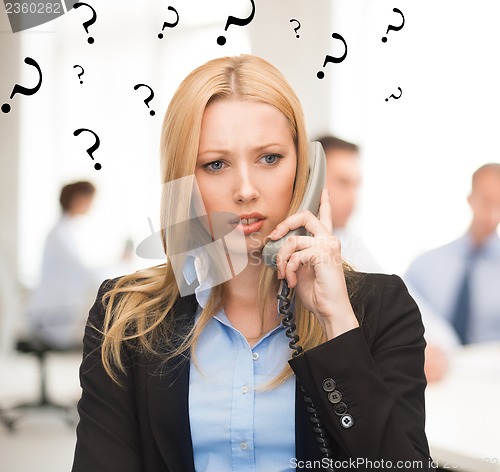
254, 245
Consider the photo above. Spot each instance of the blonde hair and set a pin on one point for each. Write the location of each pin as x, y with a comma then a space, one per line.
139, 306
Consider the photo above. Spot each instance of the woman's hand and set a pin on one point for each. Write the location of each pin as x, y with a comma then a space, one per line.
313, 266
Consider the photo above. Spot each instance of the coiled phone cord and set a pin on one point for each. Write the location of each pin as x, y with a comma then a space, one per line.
287, 321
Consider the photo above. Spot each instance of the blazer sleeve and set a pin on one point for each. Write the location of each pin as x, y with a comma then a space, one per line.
107, 433
377, 373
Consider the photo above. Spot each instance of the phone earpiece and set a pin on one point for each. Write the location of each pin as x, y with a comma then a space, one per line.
310, 201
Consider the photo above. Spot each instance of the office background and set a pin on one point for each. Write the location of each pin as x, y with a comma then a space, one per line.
417, 152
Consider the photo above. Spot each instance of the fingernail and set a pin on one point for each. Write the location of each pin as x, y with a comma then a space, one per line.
272, 234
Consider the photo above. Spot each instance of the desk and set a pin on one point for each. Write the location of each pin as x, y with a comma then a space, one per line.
463, 411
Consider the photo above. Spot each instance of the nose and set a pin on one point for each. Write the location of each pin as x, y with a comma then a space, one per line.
245, 185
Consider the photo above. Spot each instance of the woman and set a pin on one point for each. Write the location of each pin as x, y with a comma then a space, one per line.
202, 382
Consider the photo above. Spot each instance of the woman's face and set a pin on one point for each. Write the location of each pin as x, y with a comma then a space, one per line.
246, 166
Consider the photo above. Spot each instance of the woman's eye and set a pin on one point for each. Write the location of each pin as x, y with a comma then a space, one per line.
271, 158
214, 166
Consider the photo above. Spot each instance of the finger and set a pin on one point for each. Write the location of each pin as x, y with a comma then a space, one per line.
303, 219
325, 210
308, 257
330, 245
292, 244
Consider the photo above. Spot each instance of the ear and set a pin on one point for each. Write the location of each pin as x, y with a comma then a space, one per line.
469, 199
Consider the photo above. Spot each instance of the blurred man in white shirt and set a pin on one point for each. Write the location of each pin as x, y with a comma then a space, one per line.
59, 305
343, 179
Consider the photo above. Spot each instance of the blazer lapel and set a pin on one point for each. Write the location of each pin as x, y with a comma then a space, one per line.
168, 395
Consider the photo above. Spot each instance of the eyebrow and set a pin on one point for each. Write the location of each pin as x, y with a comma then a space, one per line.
255, 149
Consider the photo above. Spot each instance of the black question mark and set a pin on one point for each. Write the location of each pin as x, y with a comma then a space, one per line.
297, 27
231, 20
23, 90
81, 73
335, 60
152, 112
394, 96
90, 22
91, 149
394, 28
169, 25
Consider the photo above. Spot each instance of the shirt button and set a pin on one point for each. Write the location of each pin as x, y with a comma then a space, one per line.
243, 446
329, 385
244, 389
347, 421
255, 356
335, 396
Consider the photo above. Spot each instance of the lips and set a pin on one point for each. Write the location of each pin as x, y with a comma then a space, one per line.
248, 218
250, 223
247, 221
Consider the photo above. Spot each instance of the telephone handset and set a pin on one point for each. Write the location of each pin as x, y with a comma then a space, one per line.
311, 200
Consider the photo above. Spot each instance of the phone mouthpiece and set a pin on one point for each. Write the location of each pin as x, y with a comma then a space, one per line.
270, 250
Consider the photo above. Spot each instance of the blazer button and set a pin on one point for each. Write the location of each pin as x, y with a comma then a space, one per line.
329, 385
347, 421
340, 408
335, 396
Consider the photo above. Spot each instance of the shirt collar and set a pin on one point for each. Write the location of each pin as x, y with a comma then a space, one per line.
196, 268
222, 318
489, 248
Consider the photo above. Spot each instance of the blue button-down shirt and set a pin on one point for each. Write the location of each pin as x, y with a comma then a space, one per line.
234, 425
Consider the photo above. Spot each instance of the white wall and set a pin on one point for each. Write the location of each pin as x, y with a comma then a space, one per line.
9, 186
273, 37
419, 151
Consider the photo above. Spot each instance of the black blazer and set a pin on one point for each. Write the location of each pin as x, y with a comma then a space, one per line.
143, 426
